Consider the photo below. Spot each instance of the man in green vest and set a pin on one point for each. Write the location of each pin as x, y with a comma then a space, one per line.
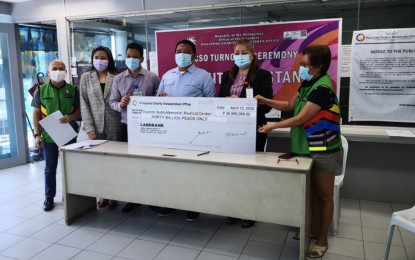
49, 98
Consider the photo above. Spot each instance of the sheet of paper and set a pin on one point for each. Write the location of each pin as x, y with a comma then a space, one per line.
82, 135
153, 62
85, 144
60, 133
399, 133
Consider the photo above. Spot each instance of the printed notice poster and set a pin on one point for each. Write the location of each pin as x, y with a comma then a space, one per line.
346, 63
278, 47
225, 125
382, 86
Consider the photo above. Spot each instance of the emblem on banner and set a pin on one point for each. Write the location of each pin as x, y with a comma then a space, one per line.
294, 35
192, 39
288, 35
360, 37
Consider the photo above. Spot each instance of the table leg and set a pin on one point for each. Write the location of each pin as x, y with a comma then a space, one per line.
77, 206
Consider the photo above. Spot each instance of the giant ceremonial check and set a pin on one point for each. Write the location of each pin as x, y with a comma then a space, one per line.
203, 124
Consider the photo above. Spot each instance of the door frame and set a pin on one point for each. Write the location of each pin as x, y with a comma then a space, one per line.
17, 106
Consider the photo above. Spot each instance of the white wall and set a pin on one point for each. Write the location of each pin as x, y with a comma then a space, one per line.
46, 10
38, 11
41, 10
77, 8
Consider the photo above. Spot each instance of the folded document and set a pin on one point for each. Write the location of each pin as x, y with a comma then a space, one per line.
86, 144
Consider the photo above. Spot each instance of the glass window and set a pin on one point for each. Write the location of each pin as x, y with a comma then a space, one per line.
85, 40
12, 139
8, 144
356, 15
38, 46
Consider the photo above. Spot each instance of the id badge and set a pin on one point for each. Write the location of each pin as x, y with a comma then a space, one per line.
249, 93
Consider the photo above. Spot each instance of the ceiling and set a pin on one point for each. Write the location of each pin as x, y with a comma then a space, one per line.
14, 1
369, 14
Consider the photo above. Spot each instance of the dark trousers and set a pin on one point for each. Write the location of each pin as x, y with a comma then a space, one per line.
261, 139
51, 151
124, 133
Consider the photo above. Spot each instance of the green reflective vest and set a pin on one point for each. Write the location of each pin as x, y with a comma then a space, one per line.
53, 99
320, 133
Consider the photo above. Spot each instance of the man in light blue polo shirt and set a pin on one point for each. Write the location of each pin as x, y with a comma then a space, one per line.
186, 80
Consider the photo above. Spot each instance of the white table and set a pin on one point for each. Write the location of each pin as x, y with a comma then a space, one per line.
252, 187
376, 162
359, 133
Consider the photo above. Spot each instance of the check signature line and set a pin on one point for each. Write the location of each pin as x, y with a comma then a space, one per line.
194, 138
201, 133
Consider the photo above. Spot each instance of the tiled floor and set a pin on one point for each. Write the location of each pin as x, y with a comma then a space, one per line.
27, 232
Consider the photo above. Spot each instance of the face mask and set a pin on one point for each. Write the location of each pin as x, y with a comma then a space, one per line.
132, 63
57, 75
242, 61
100, 65
183, 59
304, 73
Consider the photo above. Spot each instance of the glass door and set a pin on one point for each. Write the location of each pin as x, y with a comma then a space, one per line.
13, 150
38, 47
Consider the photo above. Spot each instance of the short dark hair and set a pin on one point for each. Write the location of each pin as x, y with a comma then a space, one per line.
111, 63
135, 46
319, 55
187, 42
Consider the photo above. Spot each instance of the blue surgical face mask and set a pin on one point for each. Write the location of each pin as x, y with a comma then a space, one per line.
132, 63
304, 73
183, 59
242, 61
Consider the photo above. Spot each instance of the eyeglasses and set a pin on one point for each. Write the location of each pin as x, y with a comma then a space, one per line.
305, 64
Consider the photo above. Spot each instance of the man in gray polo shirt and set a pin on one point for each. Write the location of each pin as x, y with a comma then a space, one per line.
122, 89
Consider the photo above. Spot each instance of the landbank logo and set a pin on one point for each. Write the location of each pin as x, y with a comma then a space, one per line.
360, 37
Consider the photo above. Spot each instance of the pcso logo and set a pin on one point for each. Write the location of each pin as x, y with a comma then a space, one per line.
134, 102
360, 37
192, 39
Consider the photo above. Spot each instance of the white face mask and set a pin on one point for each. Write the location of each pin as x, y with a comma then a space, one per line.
57, 75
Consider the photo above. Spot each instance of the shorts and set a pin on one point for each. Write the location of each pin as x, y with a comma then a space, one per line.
328, 162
